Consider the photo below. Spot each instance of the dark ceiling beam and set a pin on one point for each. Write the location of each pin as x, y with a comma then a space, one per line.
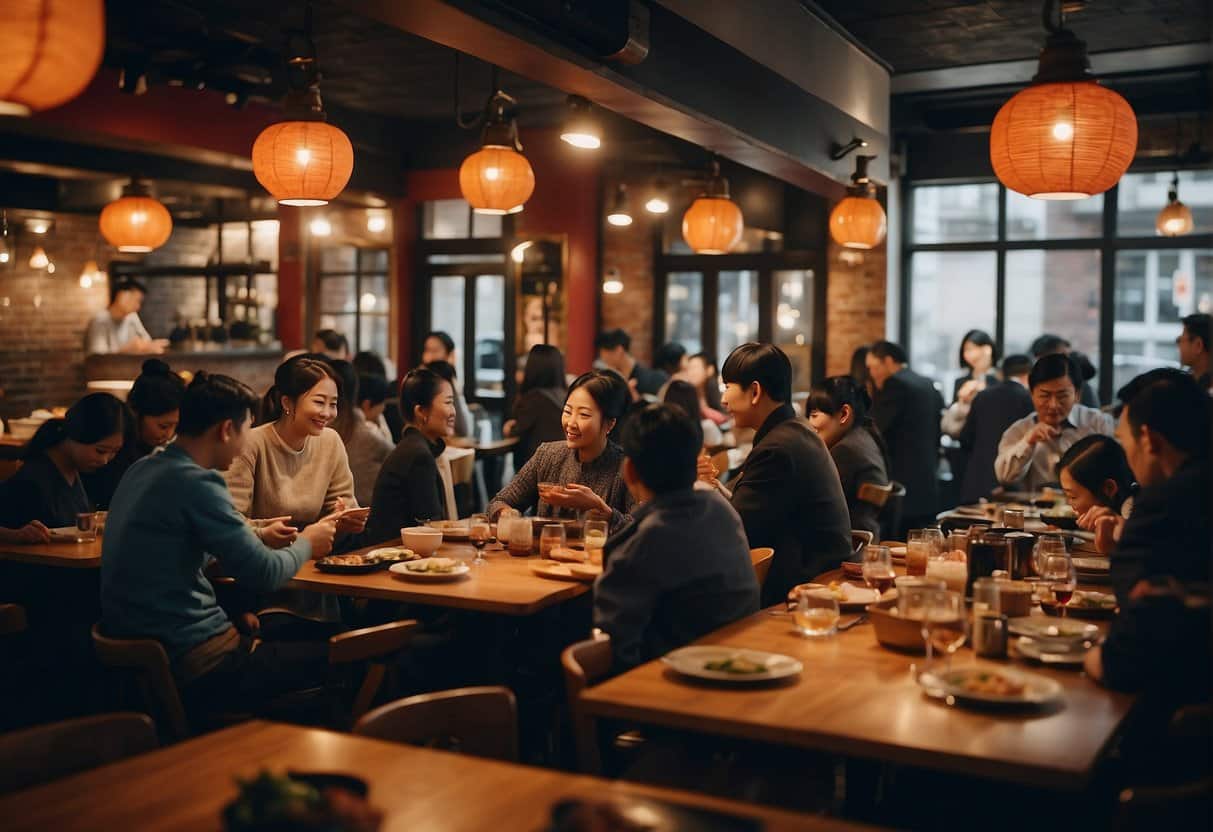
690, 85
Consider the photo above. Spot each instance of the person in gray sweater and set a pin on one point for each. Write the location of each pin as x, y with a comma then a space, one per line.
681, 567
170, 517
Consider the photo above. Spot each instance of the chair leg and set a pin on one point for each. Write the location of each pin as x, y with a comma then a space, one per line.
369, 689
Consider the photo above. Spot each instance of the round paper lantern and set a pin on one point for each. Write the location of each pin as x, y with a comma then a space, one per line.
1175, 220
496, 179
49, 51
858, 222
136, 223
712, 225
303, 162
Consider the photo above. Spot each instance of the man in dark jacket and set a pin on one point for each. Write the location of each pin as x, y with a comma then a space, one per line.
681, 568
787, 491
906, 409
992, 412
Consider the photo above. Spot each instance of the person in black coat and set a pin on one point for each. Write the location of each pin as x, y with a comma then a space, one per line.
906, 410
540, 403
409, 488
992, 412
787, 492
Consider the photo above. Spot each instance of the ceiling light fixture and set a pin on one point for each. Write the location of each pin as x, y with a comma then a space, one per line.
497, 178
1175, 219
518, 252
659, 202
619, 215
39, 260
581, 127
90, 274
1065, 136
136, 222
51, 52
713, 224
859, 220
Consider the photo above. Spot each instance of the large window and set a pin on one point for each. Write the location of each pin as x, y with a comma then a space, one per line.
1093, 271
354, 298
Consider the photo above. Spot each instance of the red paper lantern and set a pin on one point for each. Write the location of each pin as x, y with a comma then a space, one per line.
49, 51
714, 223
303, 162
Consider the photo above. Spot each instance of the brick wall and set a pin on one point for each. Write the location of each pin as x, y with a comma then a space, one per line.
855, 303
630, 251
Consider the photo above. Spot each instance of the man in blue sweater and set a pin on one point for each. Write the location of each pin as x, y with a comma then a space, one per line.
170, 516
681, 568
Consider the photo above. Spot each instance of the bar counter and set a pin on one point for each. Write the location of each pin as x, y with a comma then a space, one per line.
253, 365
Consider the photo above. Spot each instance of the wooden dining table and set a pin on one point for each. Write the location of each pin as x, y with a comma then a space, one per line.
858, 699
494, 447
67, 555
185, 787
503, 585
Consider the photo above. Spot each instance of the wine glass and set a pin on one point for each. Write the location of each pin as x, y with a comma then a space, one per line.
816, 613
945, 623
594, 536
1059, 572
479, 532
878, 568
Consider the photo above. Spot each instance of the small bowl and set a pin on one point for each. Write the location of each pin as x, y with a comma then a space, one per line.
1061, 521
421, 539
893, 631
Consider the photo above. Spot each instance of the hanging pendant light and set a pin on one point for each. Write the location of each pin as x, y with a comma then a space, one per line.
304, 161
620, 217
497, 178
5, 254
1174, 220
859, 220
90, 274
713, 224
49, 51
1065, 136
136, 222
659, 202
39, 260
581, 128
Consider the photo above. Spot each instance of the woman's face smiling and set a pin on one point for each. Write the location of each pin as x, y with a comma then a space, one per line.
582, 420
317, 408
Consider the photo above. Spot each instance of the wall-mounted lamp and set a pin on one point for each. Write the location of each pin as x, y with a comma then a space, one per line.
840, 151
613, 283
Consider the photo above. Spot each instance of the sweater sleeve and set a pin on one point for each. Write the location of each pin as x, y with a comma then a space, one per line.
240, 478
223, 532
522, 492
341, 480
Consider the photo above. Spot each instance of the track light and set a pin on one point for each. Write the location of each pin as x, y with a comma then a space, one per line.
581, 127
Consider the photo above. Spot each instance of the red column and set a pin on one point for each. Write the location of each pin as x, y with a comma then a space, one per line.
291, 279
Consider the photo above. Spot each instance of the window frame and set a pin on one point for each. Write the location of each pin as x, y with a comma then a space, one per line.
1107, 243
359, 273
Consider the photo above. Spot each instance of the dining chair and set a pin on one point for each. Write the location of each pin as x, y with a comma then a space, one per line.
481, 721
146, 659
49, 752
585, 663
762, 558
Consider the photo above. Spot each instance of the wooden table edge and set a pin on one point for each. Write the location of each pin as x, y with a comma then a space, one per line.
37, 559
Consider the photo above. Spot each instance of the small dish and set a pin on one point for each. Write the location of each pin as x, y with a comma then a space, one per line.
420, 570
703, 662
1029, 648
990, 686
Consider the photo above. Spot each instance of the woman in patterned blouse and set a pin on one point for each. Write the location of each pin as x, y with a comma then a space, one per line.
585, 466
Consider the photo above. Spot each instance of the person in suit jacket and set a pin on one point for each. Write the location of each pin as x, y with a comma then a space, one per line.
906, 410
680, 568
993, 411
787, 492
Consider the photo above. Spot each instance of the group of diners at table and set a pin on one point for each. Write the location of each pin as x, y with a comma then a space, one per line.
208, 477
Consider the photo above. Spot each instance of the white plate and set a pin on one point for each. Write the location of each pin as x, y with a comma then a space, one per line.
1031, 649
1038, 690
403, 571
690, 661
1043, 628
897, 551
65, 534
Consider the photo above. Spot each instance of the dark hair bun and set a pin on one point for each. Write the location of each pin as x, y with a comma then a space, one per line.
156, 367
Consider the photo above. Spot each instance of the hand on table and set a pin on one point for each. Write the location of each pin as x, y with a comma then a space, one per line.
32, 532
577, 497
277, 532
1042, 432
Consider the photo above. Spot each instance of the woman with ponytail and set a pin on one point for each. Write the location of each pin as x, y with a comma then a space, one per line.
838, 410
294, 469
155, 405
48, 488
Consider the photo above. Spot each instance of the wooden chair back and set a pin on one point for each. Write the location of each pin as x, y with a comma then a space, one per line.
146, 659
877, 495
378, 647
12, 619
762, 558
859, 539
585, 664
49, 752
481, 721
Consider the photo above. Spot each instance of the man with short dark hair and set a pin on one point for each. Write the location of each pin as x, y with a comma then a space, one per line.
906, 409
1048, 344
615, 351
787, 492
1031, 447
1160, 567
331, 344
1193, 343
118, 328
993, 411
681, 568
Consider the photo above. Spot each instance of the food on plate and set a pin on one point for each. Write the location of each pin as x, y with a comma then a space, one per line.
990, 683
1093, 600
735, 664
347, 560
280, 802
433, 565
392, 554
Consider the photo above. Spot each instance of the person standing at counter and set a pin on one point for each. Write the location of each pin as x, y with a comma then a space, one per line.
155, 404
118, 327
48, 487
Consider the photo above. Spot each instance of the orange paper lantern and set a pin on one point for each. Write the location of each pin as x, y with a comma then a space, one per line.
303, 162
496, 179
712, 225
858, 222
49, 51
136, 223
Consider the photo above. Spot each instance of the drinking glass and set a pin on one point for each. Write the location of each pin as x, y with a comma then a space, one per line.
878, 568
985, 596
945, 624
551, 538
917, 553
1047, 546
951, 569
1012, 518
479, 532
816, 613
958, 542
594, 536
521, 537
1059, 572
935, 540
86, 526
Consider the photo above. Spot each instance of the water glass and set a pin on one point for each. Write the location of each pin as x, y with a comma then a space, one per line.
594, 536
958, 542
1012, 518
945, 623
878, 568
935, 540
551, 538
985, 596
816, 613
1047, 545
86, 526
521, 536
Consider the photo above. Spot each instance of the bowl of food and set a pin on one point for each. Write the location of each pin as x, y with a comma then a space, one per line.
421, 539
894, 631
1062, 516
